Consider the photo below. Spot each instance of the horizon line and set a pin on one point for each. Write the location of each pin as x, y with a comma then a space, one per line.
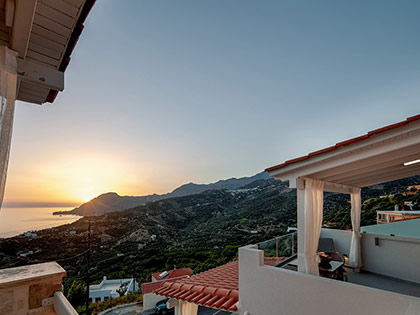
40, 204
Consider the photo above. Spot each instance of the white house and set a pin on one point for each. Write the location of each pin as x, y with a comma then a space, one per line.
109, 289
386, 216
382, 268
384, 277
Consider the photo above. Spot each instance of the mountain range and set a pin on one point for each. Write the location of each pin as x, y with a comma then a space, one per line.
199, 231
111, 201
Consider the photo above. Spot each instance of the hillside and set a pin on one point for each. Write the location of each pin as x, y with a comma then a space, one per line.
109, 202
199, 231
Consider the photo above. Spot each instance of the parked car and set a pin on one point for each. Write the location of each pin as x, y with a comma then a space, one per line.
161, 308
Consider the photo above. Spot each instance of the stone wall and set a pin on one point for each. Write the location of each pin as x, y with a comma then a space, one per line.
30, 289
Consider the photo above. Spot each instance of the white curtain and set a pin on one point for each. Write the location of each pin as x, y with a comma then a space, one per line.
355, 257
8, 81
314, 204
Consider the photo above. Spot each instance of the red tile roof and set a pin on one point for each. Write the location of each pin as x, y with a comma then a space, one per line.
217, 288
343, 143
149, 287
173, 273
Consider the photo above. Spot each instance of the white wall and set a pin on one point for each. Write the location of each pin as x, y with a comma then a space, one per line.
150, 300
96, 291
102, 294
396, 257
266, 290
342, 239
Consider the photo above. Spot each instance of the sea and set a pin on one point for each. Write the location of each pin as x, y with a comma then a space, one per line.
14, 221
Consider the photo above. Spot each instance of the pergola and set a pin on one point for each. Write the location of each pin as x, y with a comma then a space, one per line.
37, 38
381, 155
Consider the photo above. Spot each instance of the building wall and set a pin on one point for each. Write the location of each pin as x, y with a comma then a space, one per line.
23, 289
102, 294
342, 239
272, 291
394, 256
95, 291
150, 300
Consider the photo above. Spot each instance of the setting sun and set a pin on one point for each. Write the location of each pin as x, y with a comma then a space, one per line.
88, 198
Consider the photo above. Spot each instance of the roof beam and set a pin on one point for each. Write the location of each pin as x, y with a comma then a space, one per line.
375, 147
9, 12
381, 163
38, 74
386, 177
22, 26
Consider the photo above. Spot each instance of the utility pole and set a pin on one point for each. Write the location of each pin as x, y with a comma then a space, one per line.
88, 269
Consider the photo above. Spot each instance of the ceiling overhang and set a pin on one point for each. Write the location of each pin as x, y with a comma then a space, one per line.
44, 33
373, 160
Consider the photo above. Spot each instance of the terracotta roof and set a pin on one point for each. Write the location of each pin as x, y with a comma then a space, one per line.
343, 143
173, 273
149, 287
217, 288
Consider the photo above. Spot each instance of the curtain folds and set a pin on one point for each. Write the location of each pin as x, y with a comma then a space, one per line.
8, 82
355, 257
314, 203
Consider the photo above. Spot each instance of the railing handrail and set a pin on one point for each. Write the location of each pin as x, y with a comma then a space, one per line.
62, 306
277, 238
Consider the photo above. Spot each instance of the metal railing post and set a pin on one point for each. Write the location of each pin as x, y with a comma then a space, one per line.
293, 244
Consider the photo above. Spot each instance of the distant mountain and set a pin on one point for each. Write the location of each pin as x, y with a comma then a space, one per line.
110, 202
231, 183
199, 231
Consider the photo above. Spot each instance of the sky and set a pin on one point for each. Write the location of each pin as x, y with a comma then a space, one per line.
162, 93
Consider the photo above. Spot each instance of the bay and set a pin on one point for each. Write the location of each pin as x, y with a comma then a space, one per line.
14, 221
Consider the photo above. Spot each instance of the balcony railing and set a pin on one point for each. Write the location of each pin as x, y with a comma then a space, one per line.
281, 246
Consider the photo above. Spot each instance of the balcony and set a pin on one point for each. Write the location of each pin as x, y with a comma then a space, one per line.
279, 251
34, 289
389, 282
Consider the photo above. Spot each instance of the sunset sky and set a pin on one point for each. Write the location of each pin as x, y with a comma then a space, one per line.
161, 93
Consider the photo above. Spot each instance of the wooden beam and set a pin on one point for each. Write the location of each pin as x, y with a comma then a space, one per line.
387, 177
407, 136
22, 26
9, 12
380, 166
35, 73
362, 166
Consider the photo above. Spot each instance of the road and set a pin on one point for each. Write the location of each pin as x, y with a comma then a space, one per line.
201, 311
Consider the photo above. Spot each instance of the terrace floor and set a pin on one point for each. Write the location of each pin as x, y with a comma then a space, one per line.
384, 283
374, 280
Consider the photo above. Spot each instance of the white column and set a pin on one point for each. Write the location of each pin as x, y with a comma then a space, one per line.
355, 258
314, 202
300, 195
8, 82
186, 308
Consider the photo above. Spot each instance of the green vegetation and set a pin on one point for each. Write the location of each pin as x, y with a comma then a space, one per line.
199, 231
98, 307
341, 218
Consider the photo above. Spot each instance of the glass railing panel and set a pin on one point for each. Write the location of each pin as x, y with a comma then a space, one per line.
281, 246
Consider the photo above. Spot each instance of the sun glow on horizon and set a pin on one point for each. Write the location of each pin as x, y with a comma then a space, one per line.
78, 180
88, 198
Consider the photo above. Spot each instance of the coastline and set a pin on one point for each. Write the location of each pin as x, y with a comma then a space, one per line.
15, 221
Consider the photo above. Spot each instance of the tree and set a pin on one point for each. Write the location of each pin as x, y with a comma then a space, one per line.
77, 293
